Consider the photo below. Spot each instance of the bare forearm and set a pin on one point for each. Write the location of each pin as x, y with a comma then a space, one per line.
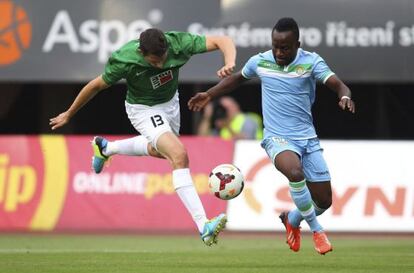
85, 95
226, 46
342, 91
335, 84
226, 85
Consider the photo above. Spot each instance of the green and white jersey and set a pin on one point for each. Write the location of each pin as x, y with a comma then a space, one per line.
146, 84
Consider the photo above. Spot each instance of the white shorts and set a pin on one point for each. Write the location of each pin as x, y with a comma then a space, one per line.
153, 121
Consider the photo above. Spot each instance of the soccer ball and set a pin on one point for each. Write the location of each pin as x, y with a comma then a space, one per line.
226, 181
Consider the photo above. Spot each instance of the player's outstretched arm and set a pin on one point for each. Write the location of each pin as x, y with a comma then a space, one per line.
343, 92
201, 99
85, 95
226, 46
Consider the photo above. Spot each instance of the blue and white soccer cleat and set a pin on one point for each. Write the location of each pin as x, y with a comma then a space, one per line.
212, 229
99, 159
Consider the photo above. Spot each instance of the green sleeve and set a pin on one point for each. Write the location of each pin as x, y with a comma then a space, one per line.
114, 71
192, 43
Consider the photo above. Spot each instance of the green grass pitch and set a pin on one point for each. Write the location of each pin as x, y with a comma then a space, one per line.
57, 253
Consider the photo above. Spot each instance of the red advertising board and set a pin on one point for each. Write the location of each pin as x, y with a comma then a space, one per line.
46, 183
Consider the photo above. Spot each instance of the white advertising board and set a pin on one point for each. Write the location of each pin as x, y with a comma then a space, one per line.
372, 181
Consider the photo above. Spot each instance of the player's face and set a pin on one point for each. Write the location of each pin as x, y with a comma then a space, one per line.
284, 47
156, 61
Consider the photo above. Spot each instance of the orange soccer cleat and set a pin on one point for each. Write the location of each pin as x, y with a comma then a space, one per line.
322, 244
292, 233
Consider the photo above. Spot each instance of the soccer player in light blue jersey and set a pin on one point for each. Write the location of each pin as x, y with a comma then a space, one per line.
288, 77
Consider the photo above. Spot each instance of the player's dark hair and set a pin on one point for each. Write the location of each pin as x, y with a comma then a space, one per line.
287, 24
153, 41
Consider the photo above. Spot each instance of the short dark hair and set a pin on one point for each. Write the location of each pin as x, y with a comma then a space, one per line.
153, 41
287, 24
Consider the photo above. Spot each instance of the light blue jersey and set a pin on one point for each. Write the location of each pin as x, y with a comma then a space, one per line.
288, 92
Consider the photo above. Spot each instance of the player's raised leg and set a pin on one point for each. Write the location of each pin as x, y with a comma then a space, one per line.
171, 148
104, 149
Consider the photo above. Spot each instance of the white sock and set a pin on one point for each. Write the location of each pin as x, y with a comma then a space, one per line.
130, 146
184, 187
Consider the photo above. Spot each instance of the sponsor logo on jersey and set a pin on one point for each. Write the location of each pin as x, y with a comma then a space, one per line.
161, 79
300, 70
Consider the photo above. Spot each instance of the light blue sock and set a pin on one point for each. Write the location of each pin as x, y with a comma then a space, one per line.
303, 201
295, 217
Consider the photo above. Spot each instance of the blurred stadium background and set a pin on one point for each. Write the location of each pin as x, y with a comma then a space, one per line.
57, 216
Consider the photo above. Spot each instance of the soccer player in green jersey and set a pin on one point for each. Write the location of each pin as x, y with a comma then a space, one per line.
150, 66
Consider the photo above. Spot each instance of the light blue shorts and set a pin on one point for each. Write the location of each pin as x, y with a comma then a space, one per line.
314, 165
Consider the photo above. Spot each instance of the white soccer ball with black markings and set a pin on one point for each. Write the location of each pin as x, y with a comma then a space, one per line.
226, 181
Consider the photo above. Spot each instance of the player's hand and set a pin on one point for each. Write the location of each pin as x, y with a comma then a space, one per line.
347, 103
59, 121
226, 70
198, 102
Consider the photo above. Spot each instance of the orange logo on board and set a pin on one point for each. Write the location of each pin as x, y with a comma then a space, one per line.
15, 32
